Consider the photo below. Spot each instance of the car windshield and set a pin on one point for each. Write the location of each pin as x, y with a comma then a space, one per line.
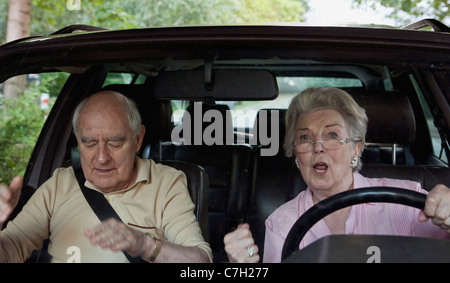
244, 112
214, 104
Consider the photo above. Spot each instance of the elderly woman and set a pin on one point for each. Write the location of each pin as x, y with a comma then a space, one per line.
325, 130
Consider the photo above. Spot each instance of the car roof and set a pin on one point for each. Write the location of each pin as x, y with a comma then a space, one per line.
240, 45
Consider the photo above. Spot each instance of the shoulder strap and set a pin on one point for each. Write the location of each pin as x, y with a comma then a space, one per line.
96, 200
101, 207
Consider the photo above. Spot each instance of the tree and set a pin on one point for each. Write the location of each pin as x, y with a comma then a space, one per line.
407, 11
3, 21
49, 16
121, 14
18, 26
19, 132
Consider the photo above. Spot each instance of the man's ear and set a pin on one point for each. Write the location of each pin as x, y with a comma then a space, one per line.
140, 138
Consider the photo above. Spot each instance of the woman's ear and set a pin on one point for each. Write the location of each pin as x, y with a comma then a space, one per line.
357, 147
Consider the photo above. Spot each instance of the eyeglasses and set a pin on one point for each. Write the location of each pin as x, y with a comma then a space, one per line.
330, 143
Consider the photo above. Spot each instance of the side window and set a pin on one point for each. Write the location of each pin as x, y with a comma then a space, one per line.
124, 78
434, 133
23, 118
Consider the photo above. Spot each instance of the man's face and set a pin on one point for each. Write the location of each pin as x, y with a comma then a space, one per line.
107, 144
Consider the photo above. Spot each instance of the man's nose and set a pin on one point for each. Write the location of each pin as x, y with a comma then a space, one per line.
102, 155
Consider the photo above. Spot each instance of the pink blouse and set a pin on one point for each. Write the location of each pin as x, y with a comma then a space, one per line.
367, 218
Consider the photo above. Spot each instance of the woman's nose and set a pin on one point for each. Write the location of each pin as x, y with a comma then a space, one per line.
318, 146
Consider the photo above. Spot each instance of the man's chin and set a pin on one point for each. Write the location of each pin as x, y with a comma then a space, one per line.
104, 184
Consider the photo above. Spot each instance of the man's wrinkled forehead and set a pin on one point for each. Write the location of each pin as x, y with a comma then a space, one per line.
100, 115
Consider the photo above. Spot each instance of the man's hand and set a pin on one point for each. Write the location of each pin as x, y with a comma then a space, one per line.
116, 236
9, 197
437, 207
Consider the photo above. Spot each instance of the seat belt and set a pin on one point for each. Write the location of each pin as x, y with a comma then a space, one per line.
101, 207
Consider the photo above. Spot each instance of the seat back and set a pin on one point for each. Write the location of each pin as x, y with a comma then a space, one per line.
427, 175
269, 125
198, 186
227, 166
275, 179
391, 126
207, 123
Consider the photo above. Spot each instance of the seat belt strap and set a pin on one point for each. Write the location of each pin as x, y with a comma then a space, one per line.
101, 207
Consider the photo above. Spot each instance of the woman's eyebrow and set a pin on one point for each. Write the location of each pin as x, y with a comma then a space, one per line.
326, 126
333, 125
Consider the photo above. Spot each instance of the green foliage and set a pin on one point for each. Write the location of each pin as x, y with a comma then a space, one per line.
48, 16
3, 7
408, 11
273, 11
20, 124
18, 133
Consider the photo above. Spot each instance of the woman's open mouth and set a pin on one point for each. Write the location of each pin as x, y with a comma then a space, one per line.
320, 168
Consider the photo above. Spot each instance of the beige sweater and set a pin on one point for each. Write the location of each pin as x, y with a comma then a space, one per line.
58, 210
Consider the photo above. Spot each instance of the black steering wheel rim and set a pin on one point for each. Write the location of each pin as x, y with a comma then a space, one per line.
345, 199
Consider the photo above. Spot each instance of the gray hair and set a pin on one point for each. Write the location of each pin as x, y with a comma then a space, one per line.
128, 106
323, 98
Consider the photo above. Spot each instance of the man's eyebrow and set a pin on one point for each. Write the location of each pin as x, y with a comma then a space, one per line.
87, 139
116, 139
110, 139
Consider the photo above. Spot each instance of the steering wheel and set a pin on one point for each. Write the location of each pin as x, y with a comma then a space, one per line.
345, 199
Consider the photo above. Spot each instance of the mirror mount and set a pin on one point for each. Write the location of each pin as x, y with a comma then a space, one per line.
208, 70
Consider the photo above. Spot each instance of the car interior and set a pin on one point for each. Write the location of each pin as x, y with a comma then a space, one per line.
231, 181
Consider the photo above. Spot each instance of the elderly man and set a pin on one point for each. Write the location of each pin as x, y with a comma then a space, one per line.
158, 223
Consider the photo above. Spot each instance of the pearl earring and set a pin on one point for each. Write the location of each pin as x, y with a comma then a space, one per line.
296, 163
354, 161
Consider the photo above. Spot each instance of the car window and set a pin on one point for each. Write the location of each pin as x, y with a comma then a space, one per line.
123, 78
436, 140
244, 112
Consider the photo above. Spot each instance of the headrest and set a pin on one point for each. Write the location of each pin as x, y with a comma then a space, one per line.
270, 114
391, 117
214, 127
156, 114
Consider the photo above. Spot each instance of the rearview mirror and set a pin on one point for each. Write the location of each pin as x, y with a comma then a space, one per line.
220, 84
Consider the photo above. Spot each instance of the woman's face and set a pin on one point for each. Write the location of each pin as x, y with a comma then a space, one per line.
325, 171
